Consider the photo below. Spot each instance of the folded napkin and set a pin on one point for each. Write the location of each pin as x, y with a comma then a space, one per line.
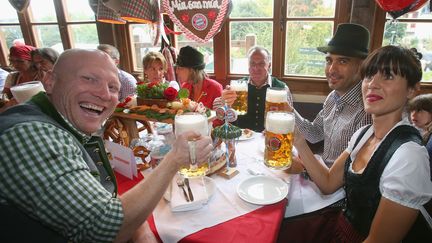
178, 201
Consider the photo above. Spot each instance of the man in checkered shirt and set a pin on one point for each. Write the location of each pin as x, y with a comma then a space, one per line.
57, 184
342, 114
343, 111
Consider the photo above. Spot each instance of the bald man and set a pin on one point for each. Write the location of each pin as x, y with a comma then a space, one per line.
50, 179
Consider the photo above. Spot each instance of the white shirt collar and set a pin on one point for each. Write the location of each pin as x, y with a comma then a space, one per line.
269, 81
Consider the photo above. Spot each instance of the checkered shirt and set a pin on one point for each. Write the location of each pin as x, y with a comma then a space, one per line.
44, 175
336, 122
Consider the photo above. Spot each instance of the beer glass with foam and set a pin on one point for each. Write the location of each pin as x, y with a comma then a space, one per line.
241, 89
279, 138
276, 99
23, 92
192, 121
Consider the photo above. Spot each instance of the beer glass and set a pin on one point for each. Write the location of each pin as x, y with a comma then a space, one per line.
279, 138
241, 89
192, 121
276, 99
23, 92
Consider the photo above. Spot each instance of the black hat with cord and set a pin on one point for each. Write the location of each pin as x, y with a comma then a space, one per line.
191, 58
349, 40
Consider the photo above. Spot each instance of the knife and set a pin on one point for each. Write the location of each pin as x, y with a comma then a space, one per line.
189, 189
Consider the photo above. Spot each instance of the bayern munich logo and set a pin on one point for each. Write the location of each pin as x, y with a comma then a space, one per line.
199, 21
274, 143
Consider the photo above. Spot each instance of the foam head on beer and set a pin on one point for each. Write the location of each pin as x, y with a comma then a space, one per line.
276, 95
239, 85
191, 122
280, 122
25, 91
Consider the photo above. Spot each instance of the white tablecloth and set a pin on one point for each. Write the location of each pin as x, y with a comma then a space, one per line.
304, 196
224, 204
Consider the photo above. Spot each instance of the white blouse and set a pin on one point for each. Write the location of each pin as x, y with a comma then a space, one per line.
406, 179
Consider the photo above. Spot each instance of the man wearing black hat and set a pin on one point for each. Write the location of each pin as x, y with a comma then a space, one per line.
190, 74
343, 111
342, 114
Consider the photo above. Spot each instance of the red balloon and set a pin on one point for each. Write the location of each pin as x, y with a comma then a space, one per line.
401, 7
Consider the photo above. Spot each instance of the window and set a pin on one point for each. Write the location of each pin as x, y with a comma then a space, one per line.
45, 27
413, 30
205, 48
80, 24
309, 24
42, 21
10, 30
250, 23
142, 36
290, 29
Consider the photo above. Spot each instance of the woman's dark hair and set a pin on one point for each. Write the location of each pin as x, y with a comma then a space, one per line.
421, 102
46, 53
394, 59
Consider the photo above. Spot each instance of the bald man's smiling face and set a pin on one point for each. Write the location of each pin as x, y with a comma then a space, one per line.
84, 87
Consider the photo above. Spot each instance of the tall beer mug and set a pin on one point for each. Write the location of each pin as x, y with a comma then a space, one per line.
24, 91
192, 121
241, 88
279, 136
276, 99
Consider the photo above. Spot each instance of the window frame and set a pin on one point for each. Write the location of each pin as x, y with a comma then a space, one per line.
29, 35
377, 36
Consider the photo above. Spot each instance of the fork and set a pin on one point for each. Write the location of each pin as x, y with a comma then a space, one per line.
180, 184
186, 182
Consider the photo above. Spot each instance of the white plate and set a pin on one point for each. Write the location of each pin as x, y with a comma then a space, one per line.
262, 190
243, 137
209, 184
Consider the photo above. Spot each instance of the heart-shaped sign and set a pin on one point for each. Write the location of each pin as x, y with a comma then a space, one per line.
401, 7
19, 5
199, 20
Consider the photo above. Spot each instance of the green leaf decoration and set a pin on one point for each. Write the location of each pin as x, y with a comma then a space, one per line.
231, 133
155, 92
155, 114
183, 93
